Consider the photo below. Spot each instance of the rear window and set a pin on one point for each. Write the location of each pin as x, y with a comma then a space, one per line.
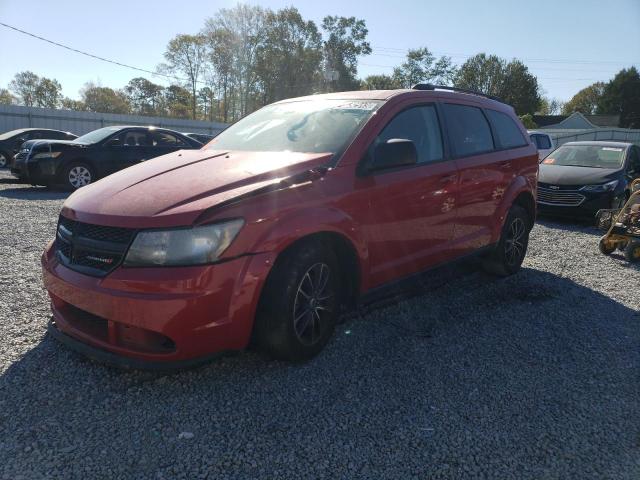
541, 141
507, 131
468, 129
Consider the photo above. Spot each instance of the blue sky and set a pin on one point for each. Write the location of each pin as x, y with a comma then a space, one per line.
567, 44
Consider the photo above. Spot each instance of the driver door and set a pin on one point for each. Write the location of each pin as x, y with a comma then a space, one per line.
411, 209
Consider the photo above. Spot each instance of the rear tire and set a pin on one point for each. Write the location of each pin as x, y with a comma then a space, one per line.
300, 303
632, 251
4, 159
507, 257
78, 175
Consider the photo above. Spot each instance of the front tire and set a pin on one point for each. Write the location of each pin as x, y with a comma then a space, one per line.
507, 257
299, 304
78, 175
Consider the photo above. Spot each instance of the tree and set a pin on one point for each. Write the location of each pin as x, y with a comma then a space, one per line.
422, 66
25, 85
550, 106
242, 29
145, 97
527, 121
70, 104
104, 99
585, 101
178, 101
48, 93
289, 58
6, 98
221, 71
346, 41
185, 55
510, 81
379, 82
621, 96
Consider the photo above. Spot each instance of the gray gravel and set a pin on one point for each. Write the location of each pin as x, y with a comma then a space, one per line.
536, 376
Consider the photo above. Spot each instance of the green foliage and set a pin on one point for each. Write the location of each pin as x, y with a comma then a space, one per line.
585, 101
379, 82
421, 66
145, 97
346, 40
550, 106
186, 55
6, 98
104, 99
511, 81
35, 91
621, 96
527, 121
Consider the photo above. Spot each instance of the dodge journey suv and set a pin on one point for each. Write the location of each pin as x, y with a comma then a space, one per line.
285, 218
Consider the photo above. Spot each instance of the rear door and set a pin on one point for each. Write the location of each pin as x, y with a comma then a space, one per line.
163, 142
411, 209
482, 174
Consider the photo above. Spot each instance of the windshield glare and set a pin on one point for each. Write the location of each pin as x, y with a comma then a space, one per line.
586, 156
97, 135
307, 126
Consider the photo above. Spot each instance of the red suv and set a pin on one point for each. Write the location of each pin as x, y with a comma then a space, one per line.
289, 215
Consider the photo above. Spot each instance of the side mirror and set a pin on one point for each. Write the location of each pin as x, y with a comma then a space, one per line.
395, 152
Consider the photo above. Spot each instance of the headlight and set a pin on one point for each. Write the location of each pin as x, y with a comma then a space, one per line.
184, 246
605, 187
43, 155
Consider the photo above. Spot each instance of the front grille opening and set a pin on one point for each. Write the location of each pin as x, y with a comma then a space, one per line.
91, 249
117, 334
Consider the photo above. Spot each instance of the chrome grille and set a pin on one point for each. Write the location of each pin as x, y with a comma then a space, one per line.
564, 198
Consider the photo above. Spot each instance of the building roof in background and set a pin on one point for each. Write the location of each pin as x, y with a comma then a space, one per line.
576, 121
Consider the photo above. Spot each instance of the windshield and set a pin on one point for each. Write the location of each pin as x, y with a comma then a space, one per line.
586, 156
307, 126
97, 135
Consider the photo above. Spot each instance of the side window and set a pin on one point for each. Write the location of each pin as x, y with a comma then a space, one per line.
37, 134
420, 125
468, 130
164, 139
541, 141
135, 138
507, 131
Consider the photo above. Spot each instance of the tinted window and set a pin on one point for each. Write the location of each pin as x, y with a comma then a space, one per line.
468, 129
541, 141
135, 138
420, 125
507, 131
164, 139
634, 160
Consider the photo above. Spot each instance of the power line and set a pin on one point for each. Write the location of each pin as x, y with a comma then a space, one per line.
87, 54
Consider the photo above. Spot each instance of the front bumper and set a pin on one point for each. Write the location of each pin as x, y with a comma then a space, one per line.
170, 317
588, 208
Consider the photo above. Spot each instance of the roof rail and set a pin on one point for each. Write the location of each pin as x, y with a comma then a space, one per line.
428, 86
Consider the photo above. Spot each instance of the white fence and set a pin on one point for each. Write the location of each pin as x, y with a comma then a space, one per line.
13, 117
611, 134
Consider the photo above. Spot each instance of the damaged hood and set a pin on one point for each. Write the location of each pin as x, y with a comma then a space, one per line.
184, 184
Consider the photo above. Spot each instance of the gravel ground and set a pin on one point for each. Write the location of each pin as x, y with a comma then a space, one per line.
535, 376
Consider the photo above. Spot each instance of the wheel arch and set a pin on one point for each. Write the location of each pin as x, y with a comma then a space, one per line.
521, 193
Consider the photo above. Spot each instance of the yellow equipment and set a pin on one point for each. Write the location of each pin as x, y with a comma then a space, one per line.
623, 227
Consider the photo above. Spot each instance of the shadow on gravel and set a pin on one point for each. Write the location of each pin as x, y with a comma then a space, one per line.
33, 193
533, 376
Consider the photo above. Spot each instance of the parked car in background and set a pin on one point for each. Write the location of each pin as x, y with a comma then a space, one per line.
74, 164
10, 142
203, 138
543, 142
580, 178
286, 216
